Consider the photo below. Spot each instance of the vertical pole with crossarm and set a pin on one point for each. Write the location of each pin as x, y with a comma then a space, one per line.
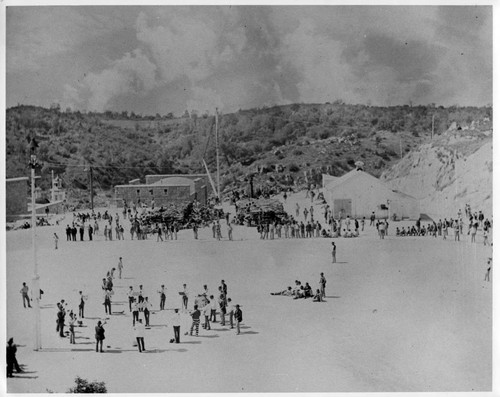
35, 287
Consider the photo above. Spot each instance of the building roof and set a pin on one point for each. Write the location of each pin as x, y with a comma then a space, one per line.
173, 181
360, 173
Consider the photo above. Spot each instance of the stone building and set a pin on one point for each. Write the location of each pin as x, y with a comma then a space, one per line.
164, 190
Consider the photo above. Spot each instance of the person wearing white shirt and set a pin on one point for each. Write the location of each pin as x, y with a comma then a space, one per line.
185, 297
206, 312
146, 307
176, 323
140, 330
213, 309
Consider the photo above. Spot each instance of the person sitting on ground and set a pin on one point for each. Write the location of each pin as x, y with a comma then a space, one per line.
344, 233
398, 233
308, 291
300, 293
317, 297
286, 292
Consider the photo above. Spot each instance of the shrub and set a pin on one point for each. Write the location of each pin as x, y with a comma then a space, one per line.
84, 386
293, 167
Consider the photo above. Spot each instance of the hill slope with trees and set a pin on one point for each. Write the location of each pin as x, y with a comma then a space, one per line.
285, 145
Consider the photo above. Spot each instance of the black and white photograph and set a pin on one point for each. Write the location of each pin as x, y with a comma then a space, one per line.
248, 198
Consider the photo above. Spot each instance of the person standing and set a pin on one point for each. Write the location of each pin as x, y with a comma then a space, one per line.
176, 324
334, 253
72, 319
120, 267
99, 336
90, 232
11, 358
238, 316
213, 309
107, 301
56, 240
222, 305
81, 305
82, 230
146, 305
185, 297
140, 330
206, 312
68, 233
61, 314
195, 315
230, 312
24, 292
162, 297
230, 231
131, 298
322, 284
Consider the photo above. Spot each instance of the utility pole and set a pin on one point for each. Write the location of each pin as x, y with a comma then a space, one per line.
35, 287
217, 150
432, 132
91, 189
91, 182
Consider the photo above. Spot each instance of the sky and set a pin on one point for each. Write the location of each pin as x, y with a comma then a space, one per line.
161, 59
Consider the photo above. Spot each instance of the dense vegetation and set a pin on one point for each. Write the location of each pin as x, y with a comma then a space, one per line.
282, 144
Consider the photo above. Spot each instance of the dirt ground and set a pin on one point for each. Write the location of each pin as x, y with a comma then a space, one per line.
401, 314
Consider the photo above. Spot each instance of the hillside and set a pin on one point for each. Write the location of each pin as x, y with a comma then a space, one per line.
283, 145
454, 170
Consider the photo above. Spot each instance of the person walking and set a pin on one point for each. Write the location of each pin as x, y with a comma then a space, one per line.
322, 283
140, 330
99, 336
24, 292
195, 315
135, 313
334, 253
238, 316
56, 240
176, 324
120, 267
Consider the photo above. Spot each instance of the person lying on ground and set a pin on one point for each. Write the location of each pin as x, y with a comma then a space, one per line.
286, 292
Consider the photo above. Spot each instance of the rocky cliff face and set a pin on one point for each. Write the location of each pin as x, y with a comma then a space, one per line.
445, 174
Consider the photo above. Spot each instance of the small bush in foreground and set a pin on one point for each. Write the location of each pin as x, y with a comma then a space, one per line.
84, 386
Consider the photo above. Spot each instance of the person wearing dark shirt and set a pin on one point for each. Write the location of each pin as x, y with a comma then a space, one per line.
99, 336
238, 316
195, 315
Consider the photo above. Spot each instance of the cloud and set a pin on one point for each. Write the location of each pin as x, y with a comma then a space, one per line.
204, 100
162, 59
134, 74
36, 33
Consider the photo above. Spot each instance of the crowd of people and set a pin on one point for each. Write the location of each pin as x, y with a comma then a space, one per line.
207, 306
